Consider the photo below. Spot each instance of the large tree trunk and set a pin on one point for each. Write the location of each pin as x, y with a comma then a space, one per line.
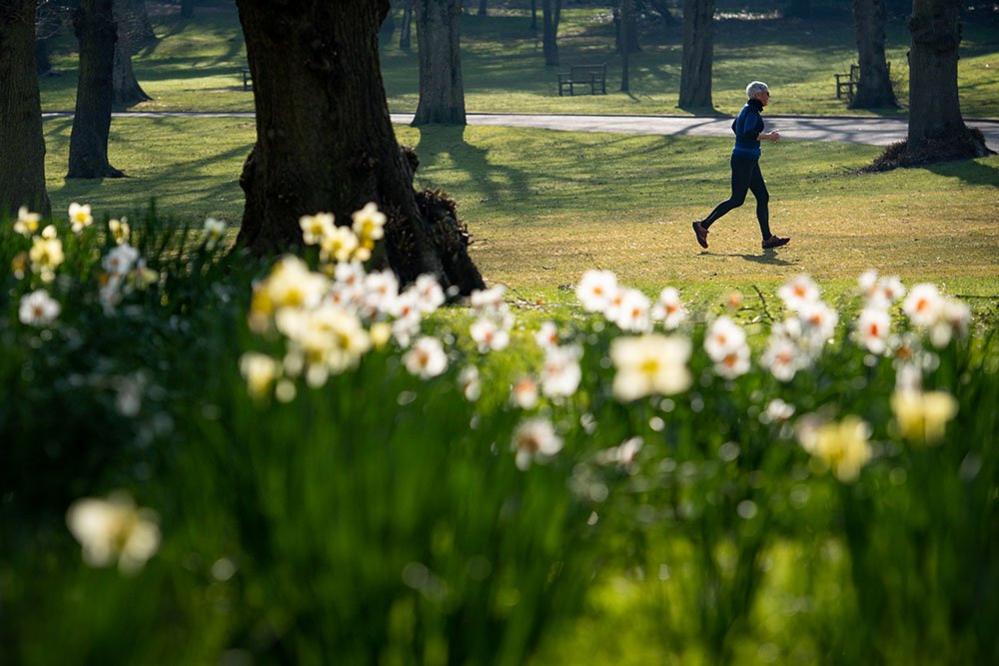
798, 9
698, 54
935, 123
140, 28
482, 8
406, 31
627, 27
126, 89
325, 141
551, 13
22, 147
874, 90
88, 142
442, 94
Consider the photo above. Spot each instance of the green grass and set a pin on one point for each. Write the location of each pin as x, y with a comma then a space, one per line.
196, 65
544, 206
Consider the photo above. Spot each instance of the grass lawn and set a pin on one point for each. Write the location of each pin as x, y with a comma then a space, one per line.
196, 64
543, 206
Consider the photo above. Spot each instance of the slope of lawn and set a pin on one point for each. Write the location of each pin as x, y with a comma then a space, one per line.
196, 63
543, 206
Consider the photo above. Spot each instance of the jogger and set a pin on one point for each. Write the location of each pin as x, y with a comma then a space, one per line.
746, 175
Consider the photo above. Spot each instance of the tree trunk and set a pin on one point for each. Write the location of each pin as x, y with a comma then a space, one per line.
406, 31
874, 90
42, 61
935, 123
187, 8
551, 13
798, 9
482, 7
140, 28
660, 7
88, 142
698, 53
325, 141
627, 26
22, 157
534, 15
442, 94
126, 89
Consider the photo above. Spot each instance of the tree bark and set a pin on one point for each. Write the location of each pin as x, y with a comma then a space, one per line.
798, 9
406, 31
22, 156
698, 54
482, 8
126, 89
874, 89
442, 93
140, 28
88, 142
551, 13
935, 122
325, 141
627, 26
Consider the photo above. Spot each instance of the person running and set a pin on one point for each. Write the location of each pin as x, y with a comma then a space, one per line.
748, 128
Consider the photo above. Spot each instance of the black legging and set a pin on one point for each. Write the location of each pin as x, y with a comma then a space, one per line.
745, 175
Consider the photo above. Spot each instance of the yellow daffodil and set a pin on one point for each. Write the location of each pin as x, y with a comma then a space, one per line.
923, 417
27, 222
120, 231
80, 217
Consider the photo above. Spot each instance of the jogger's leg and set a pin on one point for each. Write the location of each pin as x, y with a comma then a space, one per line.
759, 189
742, 170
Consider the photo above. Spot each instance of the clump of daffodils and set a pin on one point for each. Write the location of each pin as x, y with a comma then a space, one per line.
120, 230
124, 271
797, 341
931, 312
923, 417
46, 254
341, 243
493, 321
629, 309
27, 222
114, 530
842, 447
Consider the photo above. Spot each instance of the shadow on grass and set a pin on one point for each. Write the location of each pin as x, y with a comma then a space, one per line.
491, 180
969, 172
768, 257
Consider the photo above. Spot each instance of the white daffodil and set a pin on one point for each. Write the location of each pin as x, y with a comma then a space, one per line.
547, 335
622, 455
723, 336
38, 308
524, 393
429, 295
631, 312
316, 227
781, 358
923, 305
120, 259
468, 380
338, 245
560, 373
259, 371
596, 289
114, 529
369, 223
650, 364
119, 230
535, 440
488, 336
734, 363
798, 291
80, 217
45, 255
214, 230
669, 309
27, 222
488, 302
819, 320
777, 411
426, 359
873, 328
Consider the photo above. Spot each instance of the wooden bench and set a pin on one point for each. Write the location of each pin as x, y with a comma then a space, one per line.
247, 79
847, 83
594, 76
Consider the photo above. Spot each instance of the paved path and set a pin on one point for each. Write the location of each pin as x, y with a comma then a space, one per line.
872, 131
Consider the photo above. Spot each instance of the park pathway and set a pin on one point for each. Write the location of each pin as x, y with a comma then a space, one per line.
866, 130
